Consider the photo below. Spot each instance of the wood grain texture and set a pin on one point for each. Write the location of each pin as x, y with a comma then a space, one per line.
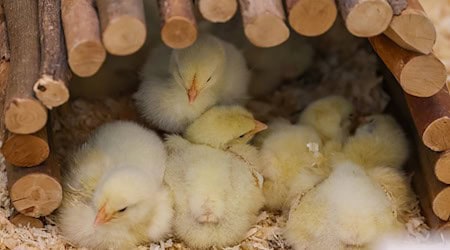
123, 25
264, 22
311, 17
419, 75
179, 27
52, 86
412, 29
23, 113
442, 167
217, 11
21, 220
365, 18
85, 50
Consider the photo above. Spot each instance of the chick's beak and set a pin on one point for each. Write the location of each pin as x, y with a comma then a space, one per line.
102, 216
192, 92
259, 126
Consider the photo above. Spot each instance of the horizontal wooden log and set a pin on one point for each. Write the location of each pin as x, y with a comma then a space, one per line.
52, 86
179, 27
123, 25
264, 23
365, 18
85, 50
217, 11
26, 150
21, 220
412, 29
23, 113
311, 17
419, 75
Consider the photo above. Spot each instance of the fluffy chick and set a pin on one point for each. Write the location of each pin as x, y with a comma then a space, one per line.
114, 197
284, 153
347, 210
379, 141
331, 116
178, 85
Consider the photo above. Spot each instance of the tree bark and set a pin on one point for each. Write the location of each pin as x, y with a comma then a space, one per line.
123, 25
85, 50
365, 18
23, 113
264, 23
4, 68
412, 29
419, 75
179, 27
311, 17
217, 11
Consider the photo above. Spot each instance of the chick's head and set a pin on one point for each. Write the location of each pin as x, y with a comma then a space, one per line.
331, 116
123, 196
224, 126
199, 66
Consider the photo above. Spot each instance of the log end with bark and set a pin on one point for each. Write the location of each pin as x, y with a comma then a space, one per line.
311, 17
436, 135
25, 115
442, 167
179, 32
51, 92
26, 150
217, 11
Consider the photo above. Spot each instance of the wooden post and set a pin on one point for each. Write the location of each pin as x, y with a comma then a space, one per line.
419, 75
398, 5
365, 18
311, 17
264, 23
179, 28
442, 167
52, 86
21, 220
85, 50
35, 191
412, 29
431, 116
26, 150
23, 113
217, 11
4, 69
123, 25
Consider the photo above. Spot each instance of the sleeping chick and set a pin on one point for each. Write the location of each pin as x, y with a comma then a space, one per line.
349, 209
284, 153
178, 85
331, 116
214, 179
379, 141
114, 197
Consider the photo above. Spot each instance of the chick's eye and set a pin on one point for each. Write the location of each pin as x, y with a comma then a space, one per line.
242, 136
122, 210
209, 79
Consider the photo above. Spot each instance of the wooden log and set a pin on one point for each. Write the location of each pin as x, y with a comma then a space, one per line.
21, 220
52, 86
365, 18
123, 25
217, 11
85, 50
26, 150
4, 45
442, 166
35, 191
431, 116
179, 27
412, 29
4, 68
419, 75
23, 113
398, 6
311, 17
264, 23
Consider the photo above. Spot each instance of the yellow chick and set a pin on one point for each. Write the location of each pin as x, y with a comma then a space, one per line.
379, 141
178, 85
284, 153
114, 196
349, 209
213, 178
331, 116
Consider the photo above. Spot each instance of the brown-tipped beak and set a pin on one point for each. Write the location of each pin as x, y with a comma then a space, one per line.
102, 217
192, 92
259, 126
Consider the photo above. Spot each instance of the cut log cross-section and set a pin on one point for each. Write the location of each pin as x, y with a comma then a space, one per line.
123, 25
442, 166
412, 29
85, 50
179, 27
311, 17
23, 113
419, 75
23, 221
52, 86
366, 18
217, 11
264, 23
